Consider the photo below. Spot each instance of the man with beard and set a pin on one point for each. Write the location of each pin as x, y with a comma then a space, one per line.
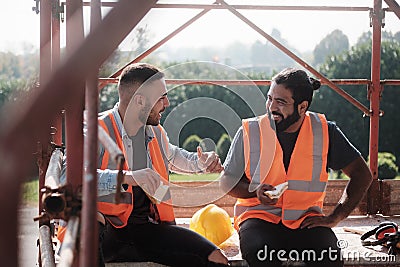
293, 145
142, 227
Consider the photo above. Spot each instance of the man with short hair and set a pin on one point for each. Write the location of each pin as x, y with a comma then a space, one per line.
290, 145
142, 227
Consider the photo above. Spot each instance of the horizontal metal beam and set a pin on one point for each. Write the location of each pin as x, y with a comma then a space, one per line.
251, 82
390, 82
265, 7
249, 7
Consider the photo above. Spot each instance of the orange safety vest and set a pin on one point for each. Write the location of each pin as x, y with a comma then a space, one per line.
118, 214
306, 175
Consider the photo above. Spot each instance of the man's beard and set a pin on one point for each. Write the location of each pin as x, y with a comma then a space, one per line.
148, 116
284, 123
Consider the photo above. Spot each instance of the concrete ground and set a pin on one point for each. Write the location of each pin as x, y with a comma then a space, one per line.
27, 236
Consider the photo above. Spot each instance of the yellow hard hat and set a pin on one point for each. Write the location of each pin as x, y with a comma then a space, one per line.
213, 223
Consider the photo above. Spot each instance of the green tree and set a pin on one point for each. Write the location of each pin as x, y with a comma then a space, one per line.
356, 63
387, 168
223, 146
366, 37
191, 143
397, 36
18, 73
334, 43
206, 127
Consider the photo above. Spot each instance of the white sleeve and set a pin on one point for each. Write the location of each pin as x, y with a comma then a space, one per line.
106, 179
179, 159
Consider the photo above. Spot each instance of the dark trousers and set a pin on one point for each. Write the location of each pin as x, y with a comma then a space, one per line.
161, 243
266, 244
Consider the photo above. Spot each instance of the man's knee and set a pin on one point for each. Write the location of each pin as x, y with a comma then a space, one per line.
100, 218
218, 257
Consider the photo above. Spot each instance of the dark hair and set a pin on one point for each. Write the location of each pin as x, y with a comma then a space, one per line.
299, 83
139, 73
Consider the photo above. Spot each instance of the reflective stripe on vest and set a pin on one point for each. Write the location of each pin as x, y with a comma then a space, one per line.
265, 138
118, 214
267, 208
296, 214
315, 185
108, 126
306, 178
162, 143
255, 152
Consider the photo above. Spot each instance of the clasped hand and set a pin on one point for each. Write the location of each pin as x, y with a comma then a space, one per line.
209, 161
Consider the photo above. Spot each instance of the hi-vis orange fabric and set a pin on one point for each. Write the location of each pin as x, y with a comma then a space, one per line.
118, 215
307, 175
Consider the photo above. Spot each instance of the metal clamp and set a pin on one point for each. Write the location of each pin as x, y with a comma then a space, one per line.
36, 7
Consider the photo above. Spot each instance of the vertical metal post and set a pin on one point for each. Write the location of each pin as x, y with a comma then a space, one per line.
89, 231
44, 74
35, 114
374, 97
55, 62
74, 112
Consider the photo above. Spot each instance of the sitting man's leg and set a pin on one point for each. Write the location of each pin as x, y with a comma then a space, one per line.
165, 244
316, 246
261, 242
173, 245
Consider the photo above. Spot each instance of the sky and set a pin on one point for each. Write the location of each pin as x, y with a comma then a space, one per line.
302, 29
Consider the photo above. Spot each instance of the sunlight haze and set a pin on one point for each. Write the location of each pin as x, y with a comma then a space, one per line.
302, 30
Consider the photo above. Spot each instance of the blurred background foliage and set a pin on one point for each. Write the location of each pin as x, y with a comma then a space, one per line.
333, 57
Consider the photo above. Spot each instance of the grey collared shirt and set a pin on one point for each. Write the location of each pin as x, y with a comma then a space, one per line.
179, 160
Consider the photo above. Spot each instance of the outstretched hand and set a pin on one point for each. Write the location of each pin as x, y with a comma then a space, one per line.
209, 161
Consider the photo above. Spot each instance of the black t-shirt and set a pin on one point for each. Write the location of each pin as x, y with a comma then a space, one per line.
340, 152
141, 206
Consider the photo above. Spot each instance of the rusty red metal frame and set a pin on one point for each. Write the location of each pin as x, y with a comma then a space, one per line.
255, 82
45, 70
31, 121
394, 6
55, 61
297, 59
89, 232
250, 7
374, 97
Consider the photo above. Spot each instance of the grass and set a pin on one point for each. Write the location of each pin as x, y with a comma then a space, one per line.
30, 192
193, 178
